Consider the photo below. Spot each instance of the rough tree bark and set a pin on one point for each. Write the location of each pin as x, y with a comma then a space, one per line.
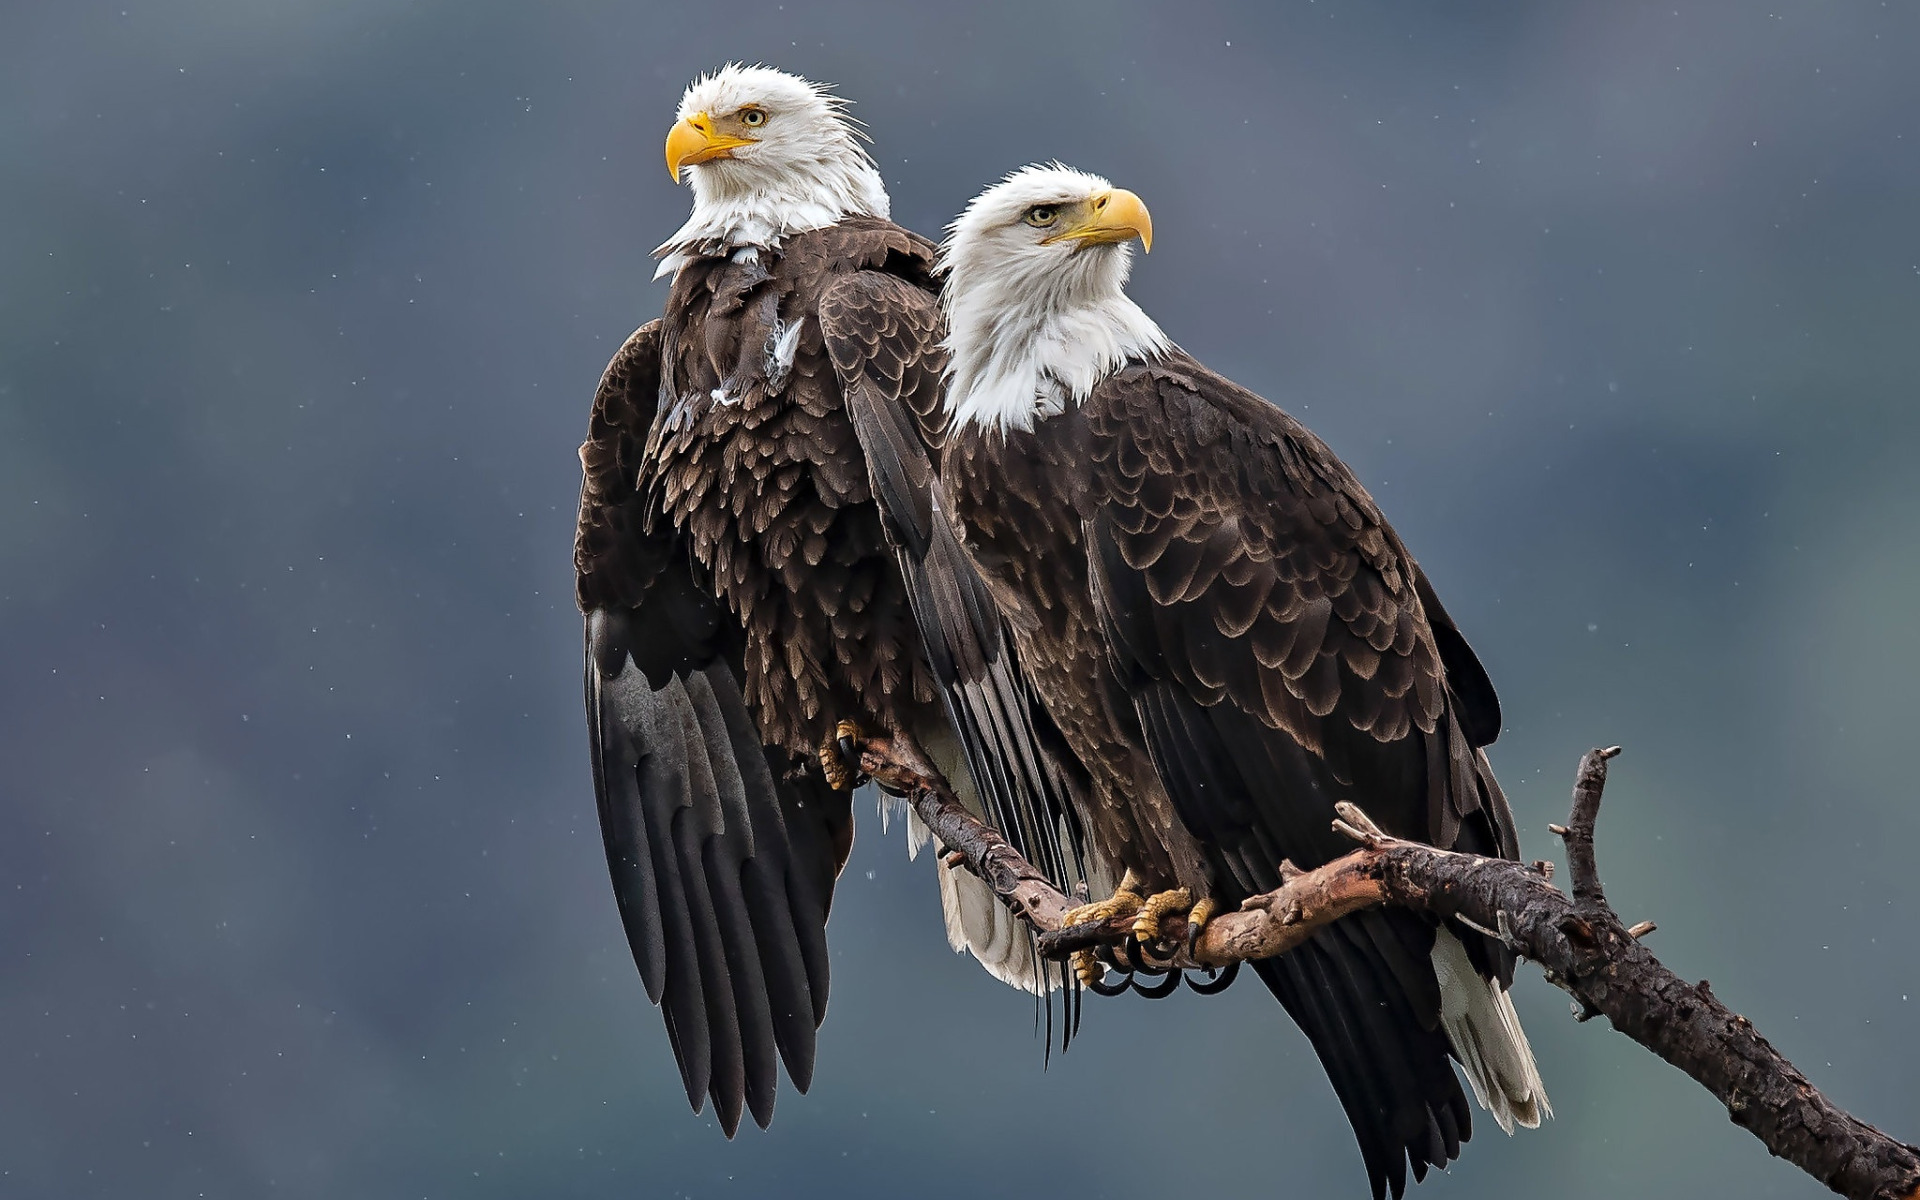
1577, 940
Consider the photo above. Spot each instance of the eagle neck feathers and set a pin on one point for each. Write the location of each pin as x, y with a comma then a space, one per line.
1021, 355
842, 182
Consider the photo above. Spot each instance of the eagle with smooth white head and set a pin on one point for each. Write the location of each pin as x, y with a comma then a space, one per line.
744, 594
1231, 639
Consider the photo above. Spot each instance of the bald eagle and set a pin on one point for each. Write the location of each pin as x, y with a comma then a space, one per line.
1231, 639
743, 595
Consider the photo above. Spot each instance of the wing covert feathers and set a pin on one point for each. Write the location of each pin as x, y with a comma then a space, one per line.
614, 558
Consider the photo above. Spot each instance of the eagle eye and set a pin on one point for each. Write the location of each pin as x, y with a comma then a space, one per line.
1041, 215
753, 118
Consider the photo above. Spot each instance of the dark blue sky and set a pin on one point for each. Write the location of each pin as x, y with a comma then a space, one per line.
1615, 307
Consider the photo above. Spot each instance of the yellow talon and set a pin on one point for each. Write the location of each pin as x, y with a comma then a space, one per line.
1088, 968
1124, 902
1146, 926
1197, 918
834, 755
1201, 913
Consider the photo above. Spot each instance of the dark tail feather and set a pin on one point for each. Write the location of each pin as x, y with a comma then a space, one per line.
1391, 1074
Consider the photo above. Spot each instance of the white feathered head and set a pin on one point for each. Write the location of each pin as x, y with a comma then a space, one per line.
769, 155
1035, 295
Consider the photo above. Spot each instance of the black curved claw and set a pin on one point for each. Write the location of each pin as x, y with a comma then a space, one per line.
849, 750
1100, 987
1215, 985
1163, 989
1142, 960
850, 757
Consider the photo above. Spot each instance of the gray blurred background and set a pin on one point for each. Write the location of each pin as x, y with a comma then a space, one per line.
303, 303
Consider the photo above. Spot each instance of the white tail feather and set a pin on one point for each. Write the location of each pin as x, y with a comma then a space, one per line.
977, 922
1485, 1031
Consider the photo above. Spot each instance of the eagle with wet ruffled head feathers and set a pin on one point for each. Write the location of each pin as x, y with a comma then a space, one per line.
746, 598
768, 155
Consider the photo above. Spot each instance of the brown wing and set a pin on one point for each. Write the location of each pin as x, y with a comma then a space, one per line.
883, 335
723, 856
1274, 636
1242, 560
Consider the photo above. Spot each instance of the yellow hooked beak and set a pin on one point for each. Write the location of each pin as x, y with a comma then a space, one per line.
694, 140
1112, 217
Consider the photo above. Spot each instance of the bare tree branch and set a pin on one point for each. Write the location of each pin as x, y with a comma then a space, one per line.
1579, 942
1020, 885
